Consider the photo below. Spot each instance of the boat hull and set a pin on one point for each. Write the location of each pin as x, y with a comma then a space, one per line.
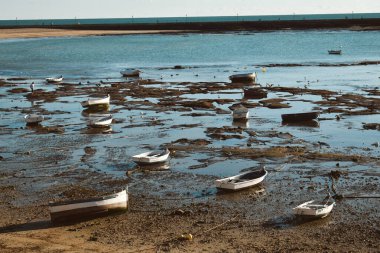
299, 117
336, 52
240, 114
231, 184
54, 80
33, 119
144, 159
96, 102
130, 73
69, 211
320, 212
243, 78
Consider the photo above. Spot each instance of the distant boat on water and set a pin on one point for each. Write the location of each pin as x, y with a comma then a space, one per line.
57, 79
299, 117
130, 73
244, 78
338, 52
96, 102
33, 119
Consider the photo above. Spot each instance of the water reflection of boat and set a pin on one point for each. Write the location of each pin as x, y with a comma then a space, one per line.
153, 167
309, 123
57, 79
67, 211
97, 102
315, 210
240, 123
299, 117
97, 130
104, 121
152, 157
35, 119
241, 181
244, 78
255, 93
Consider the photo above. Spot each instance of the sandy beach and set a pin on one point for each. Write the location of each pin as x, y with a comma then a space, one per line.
46, 32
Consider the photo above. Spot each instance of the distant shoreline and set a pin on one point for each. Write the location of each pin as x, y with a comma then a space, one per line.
30, 33
7, 32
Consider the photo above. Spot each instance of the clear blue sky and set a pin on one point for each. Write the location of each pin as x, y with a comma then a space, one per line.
55, 9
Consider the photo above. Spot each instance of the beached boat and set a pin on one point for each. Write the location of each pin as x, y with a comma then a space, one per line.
338, 52
33, 118
255, 93
248, 77
54, 79
299, 117
130, 72
152, 157
96, 102
240, 113
67, 211
241, 181
104, 121
312, 209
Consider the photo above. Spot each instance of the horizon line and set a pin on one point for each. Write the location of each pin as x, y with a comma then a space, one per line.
163, 17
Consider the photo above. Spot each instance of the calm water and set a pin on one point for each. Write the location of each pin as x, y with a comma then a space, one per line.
213, 57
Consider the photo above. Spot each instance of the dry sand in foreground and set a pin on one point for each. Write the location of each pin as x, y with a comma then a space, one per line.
45, 32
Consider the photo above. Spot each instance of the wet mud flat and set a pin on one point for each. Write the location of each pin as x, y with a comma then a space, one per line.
64, 159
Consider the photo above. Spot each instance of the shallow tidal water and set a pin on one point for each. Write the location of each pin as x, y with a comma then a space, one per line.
206, 58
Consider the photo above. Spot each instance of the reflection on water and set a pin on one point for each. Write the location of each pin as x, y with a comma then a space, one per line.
309, 123
97, 130
240, 123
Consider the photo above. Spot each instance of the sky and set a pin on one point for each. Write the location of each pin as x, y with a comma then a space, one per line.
57, 9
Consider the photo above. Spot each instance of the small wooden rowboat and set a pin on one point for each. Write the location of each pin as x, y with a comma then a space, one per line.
337, 52
248, 77
33, 118
310, 209
130, 72
240, 113
54, 79
104, 121
96, 102
255, 93
299, 117
241, 181
67, 211
152, 157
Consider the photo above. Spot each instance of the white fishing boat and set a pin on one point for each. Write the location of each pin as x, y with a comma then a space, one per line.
67, 211
104, 121
130, 72
241, 181
54, 79
152, 157
96, 102
312, 209
248, 77
33, 118
240, 113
